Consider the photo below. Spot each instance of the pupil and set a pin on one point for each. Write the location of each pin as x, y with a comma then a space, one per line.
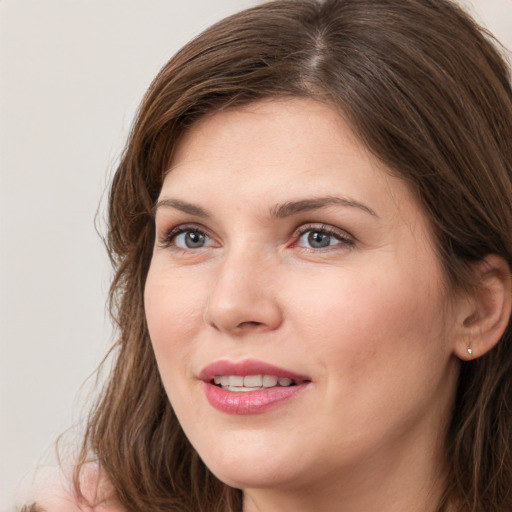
318, 240
194, 239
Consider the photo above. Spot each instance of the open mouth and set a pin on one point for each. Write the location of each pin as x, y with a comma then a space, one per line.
250, 386
251, 382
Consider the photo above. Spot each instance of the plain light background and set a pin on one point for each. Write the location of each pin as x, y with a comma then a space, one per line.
72, 73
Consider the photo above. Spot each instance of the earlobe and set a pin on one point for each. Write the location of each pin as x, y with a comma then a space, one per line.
490, 302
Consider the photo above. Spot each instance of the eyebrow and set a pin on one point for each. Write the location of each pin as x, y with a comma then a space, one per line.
278, 211
293, 207
183, 206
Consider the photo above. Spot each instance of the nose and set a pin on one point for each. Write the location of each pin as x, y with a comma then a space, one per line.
243, 298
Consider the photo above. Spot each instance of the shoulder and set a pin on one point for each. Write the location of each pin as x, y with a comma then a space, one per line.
55, 492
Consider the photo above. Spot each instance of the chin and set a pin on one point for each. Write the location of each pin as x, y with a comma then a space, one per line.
251, 477
257, 466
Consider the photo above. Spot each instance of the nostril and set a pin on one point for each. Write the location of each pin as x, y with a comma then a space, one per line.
249, 324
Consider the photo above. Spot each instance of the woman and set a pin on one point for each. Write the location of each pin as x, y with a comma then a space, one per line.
311, 227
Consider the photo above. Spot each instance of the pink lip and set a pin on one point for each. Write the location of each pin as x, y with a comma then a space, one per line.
249, 402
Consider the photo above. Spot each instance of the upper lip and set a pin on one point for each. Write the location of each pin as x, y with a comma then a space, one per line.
247, 367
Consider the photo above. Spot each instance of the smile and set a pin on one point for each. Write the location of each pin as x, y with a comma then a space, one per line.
250, 386
251, 382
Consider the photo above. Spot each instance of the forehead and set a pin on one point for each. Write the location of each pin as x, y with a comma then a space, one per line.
275, 149
264, 124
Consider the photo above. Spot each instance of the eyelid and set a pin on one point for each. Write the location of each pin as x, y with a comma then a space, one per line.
343, 236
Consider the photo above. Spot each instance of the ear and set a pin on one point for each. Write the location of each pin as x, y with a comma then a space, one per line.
486, 312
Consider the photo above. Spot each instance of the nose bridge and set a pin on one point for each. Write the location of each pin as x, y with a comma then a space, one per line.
243, 295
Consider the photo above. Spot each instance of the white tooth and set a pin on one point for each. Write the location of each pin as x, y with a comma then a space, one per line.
269, 381
253, 381
238, 388
236, 380
224, 380
284, 381
216, 379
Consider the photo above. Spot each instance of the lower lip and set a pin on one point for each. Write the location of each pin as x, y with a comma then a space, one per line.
250, 402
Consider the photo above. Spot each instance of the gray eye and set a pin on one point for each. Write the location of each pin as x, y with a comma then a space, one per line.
317, 239
191, 240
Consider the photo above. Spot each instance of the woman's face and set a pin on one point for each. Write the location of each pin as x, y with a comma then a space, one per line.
286, 253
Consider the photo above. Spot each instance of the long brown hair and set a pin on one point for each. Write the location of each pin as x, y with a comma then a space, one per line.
429, 94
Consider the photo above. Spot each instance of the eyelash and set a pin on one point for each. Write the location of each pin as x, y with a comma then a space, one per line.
342, 237
169, 239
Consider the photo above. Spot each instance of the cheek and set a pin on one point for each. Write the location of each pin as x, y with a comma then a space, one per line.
174, 313
372, 324
381, 346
